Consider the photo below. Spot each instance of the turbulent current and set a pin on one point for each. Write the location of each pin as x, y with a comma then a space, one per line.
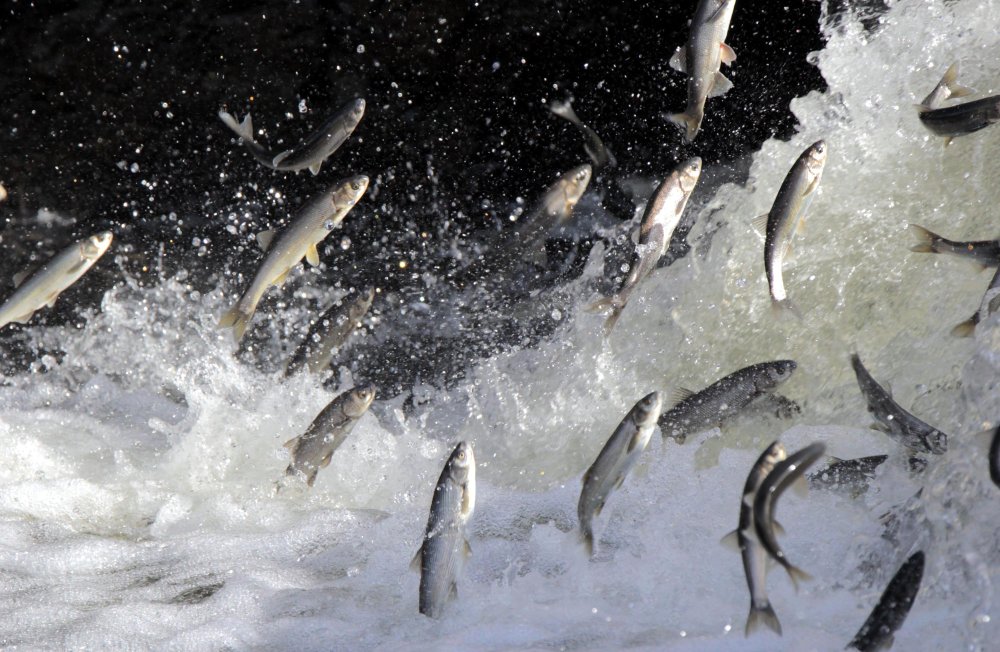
137, 486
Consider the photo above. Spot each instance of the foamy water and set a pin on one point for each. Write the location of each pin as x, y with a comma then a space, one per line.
137, 502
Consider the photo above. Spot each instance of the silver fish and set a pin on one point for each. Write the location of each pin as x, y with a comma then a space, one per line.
593, 145
553, 210
313, 449
893, 420
784, 474
615, 460
753, 553
958, 119
892, 608
787, 216
663, 212
851, 474
445, 548
308, 228
989, 304
311, 153
329, 332
983, 252
724, 399
702, 58
946, 89
42, 287
994, 457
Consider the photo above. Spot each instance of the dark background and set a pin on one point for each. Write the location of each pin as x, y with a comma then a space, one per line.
109, 118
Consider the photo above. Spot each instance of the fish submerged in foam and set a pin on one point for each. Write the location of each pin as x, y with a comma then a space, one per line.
893, 420
308, 228
445, 548
329, 332
957, 119
313, 151
698, 411
42, 287
753, 553
615, 460
593, 145
313, 449
660, 218
784, 473
787, 216
702, 58
892, 608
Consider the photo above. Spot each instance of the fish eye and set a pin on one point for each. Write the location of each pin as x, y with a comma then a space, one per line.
461, 456
355, 185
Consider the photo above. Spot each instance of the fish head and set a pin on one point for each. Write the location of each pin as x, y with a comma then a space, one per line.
462, 471
777, 373
347, 194
647, 410
772, 455
94, 247
361, 400
816, 157
362, 304
688, 174
575, 183
357, 111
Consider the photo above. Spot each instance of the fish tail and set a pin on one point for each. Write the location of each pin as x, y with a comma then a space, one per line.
587, 538
797, 575
966, 328
603, 304
237, 318
926, 240
782, 307
242, 129
950, 80
762, 614
564, 110
609, 323
690, 124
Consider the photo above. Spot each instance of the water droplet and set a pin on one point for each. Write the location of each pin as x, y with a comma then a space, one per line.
361, 49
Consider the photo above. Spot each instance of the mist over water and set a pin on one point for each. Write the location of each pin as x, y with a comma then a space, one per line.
137, 490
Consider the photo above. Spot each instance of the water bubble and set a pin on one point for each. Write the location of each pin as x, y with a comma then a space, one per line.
302, 105
345, 243
361, 49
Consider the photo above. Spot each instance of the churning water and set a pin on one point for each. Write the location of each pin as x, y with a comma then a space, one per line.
137, 502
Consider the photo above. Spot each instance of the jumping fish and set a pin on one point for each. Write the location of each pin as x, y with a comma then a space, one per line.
663, 212
787, 216
958, 119
723, 399
309, 227
445, 548
893, 420
313, 449
989, 304
593, 145
553, 210
892, 608
615, 460
784, 474
329, 332
702, 58
983, 252
42, 287
311, 153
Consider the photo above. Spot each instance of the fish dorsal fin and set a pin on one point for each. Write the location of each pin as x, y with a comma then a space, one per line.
265, 238
312, 255
325, 462
679, 61
20, 276
760, 223
314, 168
290, 444
728, 55
417, 560
276, 161
281, 278
731, 540
680, 394
947, 141
720, 85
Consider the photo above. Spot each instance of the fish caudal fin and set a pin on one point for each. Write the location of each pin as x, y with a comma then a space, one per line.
237, 319
689, 124
783, 307
242, 129
762, 614
926, 240
965, 329
615, 304
797, 575
587, 538
950, 80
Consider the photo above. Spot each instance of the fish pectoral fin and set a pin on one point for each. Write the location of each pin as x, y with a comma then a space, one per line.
280, 157
679, 61
264, 239
20, 276
312, 477
965, 329
417, 560
290, 444
720, 85
312, 255
760, 223
314, 168
679, 394
800, 228
731, 540
598, 508
777, 527
325, 462
281, 278
728, 55
947, 140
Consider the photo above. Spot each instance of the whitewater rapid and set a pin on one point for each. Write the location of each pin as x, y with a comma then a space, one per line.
137, 502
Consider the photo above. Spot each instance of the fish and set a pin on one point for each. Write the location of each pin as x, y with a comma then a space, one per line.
307, 229
853, 474
663, 212
3, 194
41, 287
593, 145
984, 252
892, 608
771, 487
893, 420
616, 459
329, 332
313, 449
695, 412
989, 304
702, 58
994, 457
957, 119
753, 553
787, 216
445, 547
313, 151
553, 210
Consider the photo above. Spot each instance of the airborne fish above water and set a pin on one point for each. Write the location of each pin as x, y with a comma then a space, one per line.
308, 228
957, 119
593, 145
330, 331
984, 252
313, 151
702, 58
892, 608
552, 211
42, 287
445, 548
